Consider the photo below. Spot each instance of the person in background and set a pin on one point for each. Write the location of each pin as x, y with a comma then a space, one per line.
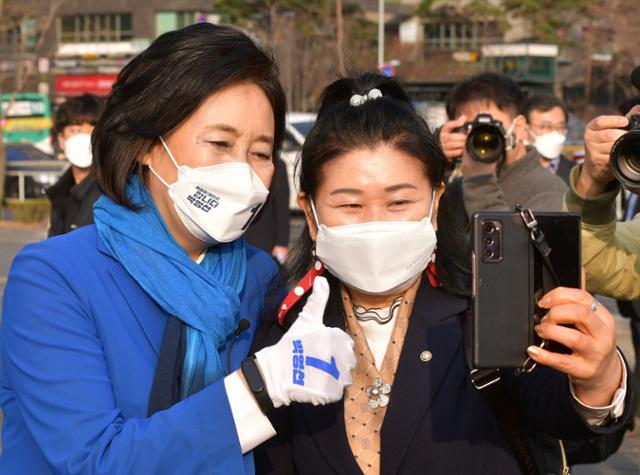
270, 231
547, 121
610, 249
631, 308
73, 195
519, 178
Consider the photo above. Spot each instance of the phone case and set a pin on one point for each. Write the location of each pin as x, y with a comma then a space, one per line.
508, 284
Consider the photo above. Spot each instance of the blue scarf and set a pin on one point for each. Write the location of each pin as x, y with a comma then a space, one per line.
204, 297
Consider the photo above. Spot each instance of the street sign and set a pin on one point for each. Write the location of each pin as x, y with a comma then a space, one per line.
388, 70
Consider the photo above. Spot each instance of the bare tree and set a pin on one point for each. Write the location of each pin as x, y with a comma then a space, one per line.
13, 14
307, 38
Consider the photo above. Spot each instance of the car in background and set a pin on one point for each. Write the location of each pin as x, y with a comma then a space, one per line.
297, 127
30, 171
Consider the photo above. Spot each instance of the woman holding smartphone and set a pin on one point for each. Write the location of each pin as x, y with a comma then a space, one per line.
389, 243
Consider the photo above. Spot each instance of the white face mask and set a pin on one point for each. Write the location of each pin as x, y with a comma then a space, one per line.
377, 257
550, 145
216, 203
77, 149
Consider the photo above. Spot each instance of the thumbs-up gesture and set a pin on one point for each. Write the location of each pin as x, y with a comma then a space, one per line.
311, 362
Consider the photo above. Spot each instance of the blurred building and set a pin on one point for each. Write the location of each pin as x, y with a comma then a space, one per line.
94, 40
450, 39
87, 43
434, 46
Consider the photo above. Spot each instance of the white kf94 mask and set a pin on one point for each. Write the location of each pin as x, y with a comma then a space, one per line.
216, 203
379, 257
550, 145
77, 149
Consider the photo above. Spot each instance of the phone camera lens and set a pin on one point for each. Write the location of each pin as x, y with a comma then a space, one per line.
489, 228
489, 254
489, 242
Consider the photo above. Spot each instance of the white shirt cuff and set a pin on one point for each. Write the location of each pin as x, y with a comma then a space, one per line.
598, 416
252, 426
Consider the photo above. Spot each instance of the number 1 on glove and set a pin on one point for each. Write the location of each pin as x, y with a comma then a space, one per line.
311, 362
299, 362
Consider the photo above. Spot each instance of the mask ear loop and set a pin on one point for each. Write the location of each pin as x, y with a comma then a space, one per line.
166, 148
315, 214
433, 255
511, 140
433, 200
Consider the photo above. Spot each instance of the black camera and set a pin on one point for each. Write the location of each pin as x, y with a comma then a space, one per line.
625, 155
486, 138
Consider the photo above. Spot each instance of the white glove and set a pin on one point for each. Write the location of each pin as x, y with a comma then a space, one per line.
311, 362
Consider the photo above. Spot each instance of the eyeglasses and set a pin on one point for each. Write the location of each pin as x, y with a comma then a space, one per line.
546, 128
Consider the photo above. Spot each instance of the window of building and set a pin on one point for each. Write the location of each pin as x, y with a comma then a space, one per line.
169, 21
103, 27
460, 34
542, 67
21, 37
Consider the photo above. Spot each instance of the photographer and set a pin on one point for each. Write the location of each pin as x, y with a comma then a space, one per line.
516, 178
610, 250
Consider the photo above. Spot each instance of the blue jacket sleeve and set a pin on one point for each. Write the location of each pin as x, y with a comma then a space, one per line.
53, 359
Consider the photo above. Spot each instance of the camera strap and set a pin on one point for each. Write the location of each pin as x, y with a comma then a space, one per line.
539, 242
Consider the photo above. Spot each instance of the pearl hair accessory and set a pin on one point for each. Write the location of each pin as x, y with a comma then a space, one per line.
357, 99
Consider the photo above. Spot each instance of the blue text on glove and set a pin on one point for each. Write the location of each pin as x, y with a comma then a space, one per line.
299, 362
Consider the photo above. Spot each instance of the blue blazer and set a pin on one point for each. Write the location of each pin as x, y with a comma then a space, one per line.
79, 346
436, 423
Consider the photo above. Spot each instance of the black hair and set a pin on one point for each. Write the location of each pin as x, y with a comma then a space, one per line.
499, 89
544, 103
165, 84
341, 127
626, 105
84, 109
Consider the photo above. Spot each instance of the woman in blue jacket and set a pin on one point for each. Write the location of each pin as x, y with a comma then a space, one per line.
121, 342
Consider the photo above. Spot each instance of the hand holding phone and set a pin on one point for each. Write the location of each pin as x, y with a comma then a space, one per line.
593, 363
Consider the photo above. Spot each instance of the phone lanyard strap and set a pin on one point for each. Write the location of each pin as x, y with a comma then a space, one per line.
538, 239
495, 394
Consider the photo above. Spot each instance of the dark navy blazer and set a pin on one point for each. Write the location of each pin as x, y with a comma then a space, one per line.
436, 422
79, 346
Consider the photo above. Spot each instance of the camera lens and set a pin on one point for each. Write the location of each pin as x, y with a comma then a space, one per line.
625, 159
489, 242
489, 227
485, 143
489, 253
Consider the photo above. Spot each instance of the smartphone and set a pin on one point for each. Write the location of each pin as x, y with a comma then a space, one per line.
509, 278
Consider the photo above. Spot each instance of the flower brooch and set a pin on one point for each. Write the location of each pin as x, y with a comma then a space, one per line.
378, 394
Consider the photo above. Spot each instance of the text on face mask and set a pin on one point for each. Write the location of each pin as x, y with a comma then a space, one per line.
203, 199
